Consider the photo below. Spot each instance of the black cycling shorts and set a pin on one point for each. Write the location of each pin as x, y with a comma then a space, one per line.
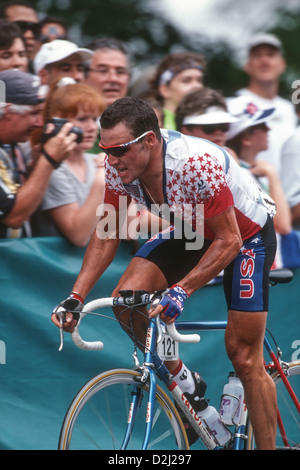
246, 279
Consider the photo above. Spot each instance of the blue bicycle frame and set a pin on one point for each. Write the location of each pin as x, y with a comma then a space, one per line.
152, 363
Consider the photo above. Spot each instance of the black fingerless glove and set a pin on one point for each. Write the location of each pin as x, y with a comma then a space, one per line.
74, 304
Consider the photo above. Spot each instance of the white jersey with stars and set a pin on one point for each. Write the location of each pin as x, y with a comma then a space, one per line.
198, 174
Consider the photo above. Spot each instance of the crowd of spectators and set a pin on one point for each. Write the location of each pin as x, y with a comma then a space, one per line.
51, 182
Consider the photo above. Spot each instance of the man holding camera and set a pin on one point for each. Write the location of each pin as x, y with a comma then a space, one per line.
20, 192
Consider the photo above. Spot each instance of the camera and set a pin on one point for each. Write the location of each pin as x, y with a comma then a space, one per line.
58, 123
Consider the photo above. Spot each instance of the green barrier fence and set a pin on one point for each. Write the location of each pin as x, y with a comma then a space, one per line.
37, 382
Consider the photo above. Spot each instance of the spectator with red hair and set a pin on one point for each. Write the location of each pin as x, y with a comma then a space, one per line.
76, 187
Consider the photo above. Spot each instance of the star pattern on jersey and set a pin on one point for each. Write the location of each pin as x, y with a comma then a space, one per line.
202, 178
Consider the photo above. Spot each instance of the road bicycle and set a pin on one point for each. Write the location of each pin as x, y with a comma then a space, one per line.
126, 409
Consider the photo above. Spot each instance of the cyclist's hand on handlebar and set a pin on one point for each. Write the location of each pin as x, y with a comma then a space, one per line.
68, 310
171, 305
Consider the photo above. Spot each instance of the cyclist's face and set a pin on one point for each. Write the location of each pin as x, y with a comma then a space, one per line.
137, 158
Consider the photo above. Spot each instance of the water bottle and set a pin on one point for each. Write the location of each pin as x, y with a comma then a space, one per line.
232, 401
216, 427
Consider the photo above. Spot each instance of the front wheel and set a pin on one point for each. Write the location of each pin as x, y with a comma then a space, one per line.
98, 415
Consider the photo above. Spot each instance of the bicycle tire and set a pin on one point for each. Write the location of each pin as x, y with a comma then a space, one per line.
91, 423
287, 410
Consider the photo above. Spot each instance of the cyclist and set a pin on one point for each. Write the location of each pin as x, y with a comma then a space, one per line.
162, 168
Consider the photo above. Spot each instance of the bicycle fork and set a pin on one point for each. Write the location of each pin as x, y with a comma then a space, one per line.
137, 396
148, 376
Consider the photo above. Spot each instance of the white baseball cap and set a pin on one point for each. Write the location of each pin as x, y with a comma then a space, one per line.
57, 50
212, 115
247, 114
267, 39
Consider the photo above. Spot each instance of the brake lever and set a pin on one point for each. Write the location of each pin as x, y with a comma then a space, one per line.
154, 304
60, 312
61, 333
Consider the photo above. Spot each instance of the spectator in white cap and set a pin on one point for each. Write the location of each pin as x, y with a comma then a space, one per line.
248, 136
264, 67
203, 113
60, 58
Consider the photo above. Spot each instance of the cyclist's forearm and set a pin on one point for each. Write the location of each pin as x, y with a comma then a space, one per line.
222, 251
98, 256
217, 257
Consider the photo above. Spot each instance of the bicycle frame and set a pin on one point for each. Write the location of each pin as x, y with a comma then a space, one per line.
152, 363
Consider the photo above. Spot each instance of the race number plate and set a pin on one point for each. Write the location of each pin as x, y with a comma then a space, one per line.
167, 348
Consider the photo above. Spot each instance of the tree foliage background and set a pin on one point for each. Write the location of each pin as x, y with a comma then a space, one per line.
150, 35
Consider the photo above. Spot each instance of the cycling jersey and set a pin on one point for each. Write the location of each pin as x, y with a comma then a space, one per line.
198, 173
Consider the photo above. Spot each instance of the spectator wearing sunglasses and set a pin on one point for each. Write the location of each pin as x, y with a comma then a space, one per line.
13, 53
27, 19
203, 113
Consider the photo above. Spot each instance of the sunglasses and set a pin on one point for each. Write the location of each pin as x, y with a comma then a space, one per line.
120, 149
211, 128
28, 25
